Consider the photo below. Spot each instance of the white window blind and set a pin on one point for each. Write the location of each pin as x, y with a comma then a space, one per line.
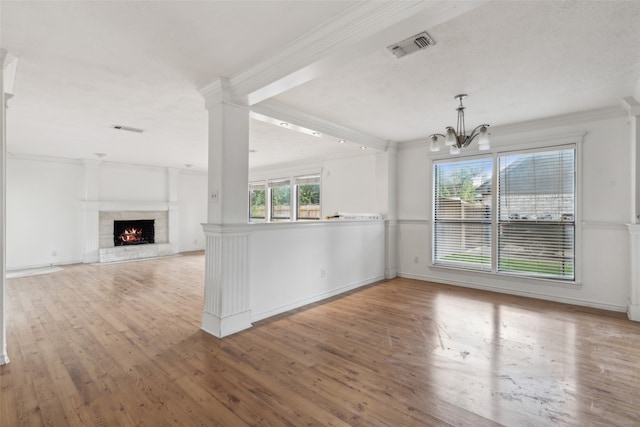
536, 221
462, 213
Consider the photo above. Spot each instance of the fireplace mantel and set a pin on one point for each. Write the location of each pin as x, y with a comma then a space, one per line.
109, 206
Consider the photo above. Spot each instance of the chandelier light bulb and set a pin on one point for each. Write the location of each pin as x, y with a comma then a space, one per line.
483, 139
450, 139
433, 146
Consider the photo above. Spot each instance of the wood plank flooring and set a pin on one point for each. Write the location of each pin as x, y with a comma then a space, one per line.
120, 345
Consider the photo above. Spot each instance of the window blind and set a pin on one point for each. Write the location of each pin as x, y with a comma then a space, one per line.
256, 186
536, 221
462, 213
306, 180
275, 183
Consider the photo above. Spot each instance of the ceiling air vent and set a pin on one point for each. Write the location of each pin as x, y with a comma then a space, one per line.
127, 128
412, 44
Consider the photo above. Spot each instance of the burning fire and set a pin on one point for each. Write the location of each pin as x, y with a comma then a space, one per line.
131, 235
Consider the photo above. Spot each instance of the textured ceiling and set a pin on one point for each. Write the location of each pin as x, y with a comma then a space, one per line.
517, 61
87, 65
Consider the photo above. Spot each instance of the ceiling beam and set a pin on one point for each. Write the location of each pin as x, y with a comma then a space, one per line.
358, 31
271, 111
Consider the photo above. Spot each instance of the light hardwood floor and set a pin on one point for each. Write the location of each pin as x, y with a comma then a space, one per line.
120, 345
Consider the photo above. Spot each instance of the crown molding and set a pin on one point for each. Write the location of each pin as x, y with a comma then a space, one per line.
217, 92
279, 112
561, 120
536, 125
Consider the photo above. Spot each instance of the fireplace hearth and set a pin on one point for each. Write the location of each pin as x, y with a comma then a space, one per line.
133, 232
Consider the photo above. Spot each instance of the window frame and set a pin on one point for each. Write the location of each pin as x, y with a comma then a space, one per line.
279, 183
255, 185
554, 142
302, 180
434, 206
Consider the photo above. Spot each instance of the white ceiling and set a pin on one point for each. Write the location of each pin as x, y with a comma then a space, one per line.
87, 65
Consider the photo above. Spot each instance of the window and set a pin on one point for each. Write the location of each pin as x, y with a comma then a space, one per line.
462, 213
280, 195
308, 197
534, 228
537, 213
257, 201
285, 199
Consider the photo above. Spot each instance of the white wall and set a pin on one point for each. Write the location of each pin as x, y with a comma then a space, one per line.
45, 215
132, 183
604, 207
349, 185
298, 263
43, 212
192, 205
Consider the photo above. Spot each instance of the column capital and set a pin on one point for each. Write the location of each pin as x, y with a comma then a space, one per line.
219, 92
631, 105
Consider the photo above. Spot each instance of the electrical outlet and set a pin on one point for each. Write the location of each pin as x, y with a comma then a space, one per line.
214, 196
54, 253
416, 260
322, 273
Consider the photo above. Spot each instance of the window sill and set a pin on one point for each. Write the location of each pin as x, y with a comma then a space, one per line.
561, 283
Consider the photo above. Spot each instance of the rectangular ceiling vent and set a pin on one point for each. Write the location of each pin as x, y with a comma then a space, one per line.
127, 128
412, 44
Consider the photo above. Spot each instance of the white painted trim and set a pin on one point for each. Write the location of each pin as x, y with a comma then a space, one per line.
310, 300
270, 226
111, 206
414, 221
535, 125
536, 295
3, 216
34, 266
604, 225
225, 326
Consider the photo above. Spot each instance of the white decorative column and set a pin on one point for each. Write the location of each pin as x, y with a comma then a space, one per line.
633, 309
7, 75
633, 108
226, 293
387, 178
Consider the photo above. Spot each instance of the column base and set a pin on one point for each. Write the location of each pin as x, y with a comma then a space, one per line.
633, 312
223, 326
4, 359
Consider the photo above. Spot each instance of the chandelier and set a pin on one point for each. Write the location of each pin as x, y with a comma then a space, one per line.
457, 138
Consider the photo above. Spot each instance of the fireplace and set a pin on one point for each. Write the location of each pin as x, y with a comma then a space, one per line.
133, 232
